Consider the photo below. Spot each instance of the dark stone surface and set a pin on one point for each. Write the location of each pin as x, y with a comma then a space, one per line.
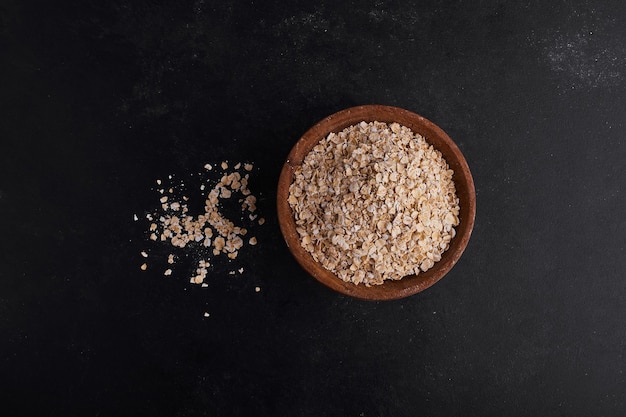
98, 99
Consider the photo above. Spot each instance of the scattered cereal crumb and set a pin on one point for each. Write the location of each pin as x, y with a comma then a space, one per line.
158, 182
206, 314
225, 193
144, 267
261, 221
201, 272
249, 203
252, 241
209, 232
135, 218
257, 289
144, 254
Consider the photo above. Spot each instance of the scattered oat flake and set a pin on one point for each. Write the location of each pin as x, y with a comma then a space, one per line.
144, 267
158, 182
257, 289
261, 221
144, 254
135, 218
208, 233
206, 314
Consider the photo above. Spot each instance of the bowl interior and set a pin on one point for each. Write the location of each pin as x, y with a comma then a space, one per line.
435, 136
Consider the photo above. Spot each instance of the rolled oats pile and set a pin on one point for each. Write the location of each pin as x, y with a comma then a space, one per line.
374, 202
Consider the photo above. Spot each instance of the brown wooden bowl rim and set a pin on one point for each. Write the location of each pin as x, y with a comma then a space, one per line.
434, 135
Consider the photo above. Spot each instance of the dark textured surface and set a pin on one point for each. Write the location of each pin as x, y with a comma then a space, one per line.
98, 99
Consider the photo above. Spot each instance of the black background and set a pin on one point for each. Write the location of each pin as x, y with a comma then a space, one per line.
99, 99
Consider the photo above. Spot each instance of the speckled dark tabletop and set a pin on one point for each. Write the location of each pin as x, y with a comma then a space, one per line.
100, 99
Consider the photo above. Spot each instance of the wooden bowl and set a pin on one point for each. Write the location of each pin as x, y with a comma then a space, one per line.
463, 181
